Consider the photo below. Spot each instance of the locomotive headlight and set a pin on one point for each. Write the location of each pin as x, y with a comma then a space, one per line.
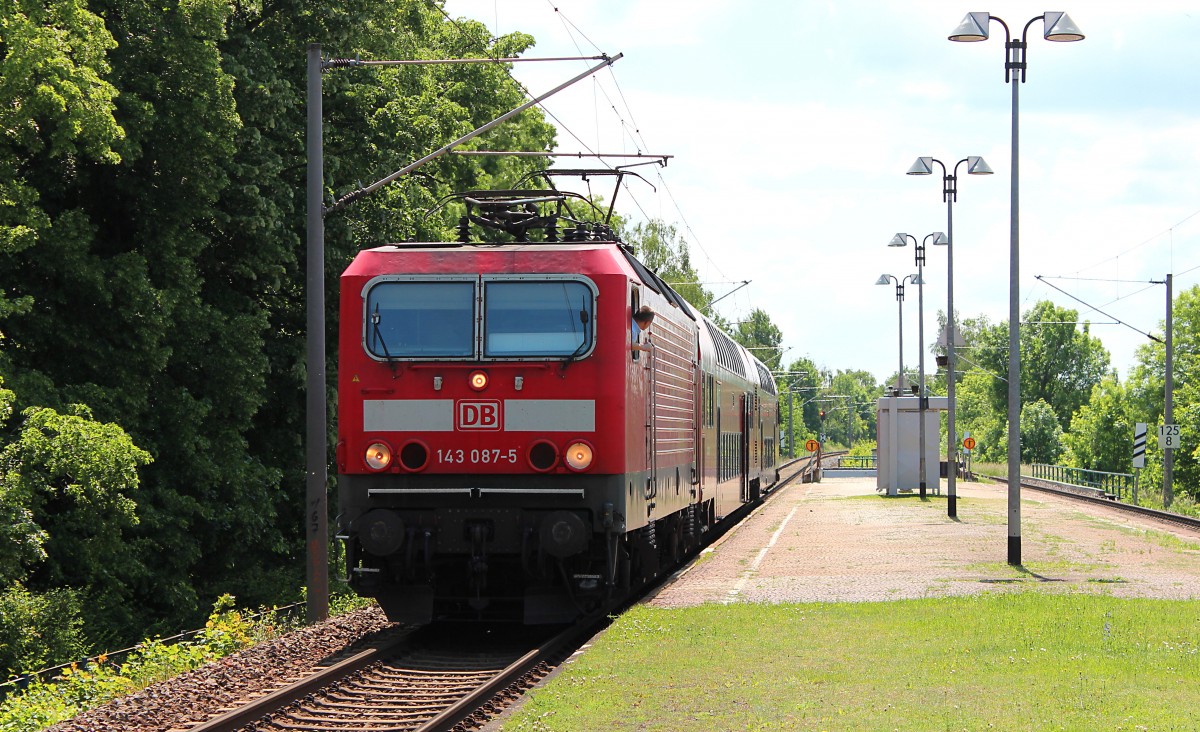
378, 456
478, 380
578, 456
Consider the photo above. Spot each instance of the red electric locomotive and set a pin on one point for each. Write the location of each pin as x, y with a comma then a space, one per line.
512, 442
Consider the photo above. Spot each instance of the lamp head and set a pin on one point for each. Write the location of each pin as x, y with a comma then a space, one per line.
923, 166
976, 165
899, 240
1060, 27
974, 27
884, 280
940, 239
917, 279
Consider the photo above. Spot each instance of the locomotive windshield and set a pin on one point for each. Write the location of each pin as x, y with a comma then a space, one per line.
536, 318
518, 318
421, 319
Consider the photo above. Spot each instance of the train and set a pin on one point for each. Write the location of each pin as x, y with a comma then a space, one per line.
530, 422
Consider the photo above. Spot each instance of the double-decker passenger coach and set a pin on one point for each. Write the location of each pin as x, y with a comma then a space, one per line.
528, 429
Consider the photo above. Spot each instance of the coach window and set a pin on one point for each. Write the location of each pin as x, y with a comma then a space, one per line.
416, 319
524, 318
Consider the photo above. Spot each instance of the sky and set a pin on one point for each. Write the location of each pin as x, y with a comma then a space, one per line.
792, 122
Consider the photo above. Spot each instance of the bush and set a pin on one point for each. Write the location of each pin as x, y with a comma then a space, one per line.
39, 630
77, 689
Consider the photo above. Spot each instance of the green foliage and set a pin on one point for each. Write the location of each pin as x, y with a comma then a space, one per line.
226, 630
1146, 387
57, 112
856, 394
798, 386
864, 448
664, 251
38, 630
1041, 435
761, 337
341, 603
976, 416
150, 227
74, 479
1101, 431
77, 688
1060, 362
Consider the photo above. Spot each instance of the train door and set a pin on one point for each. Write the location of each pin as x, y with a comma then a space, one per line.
651, 418
744, 448
644, 352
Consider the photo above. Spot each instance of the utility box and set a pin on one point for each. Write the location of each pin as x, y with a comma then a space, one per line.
899, 432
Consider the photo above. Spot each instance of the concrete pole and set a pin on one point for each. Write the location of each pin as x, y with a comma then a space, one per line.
951, 437
316, 499
921, 362
1168, 400
1014, 349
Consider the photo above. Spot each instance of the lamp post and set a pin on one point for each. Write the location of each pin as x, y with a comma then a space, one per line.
974, 27
900, 240
975, 166
885, 279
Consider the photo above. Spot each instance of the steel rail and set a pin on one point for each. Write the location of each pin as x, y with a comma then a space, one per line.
255, 710
467, 706
1167, 516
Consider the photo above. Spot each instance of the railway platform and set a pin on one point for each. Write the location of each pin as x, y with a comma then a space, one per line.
839, 540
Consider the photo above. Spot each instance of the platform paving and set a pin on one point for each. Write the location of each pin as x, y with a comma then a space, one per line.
838, 540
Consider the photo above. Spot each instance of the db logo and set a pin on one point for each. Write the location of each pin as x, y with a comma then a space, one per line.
478, 415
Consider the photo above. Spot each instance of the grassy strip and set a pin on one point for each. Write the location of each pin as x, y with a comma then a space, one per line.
76, 689
1183, 503
1012, 661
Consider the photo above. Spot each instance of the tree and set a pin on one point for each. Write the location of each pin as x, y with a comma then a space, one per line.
797, 387
975, 415
852, 409
761, 337
1101, 433
1041, 435
39, 630
663, 249
1145, 391
66, 494
1060, 362
157, 238
57, 108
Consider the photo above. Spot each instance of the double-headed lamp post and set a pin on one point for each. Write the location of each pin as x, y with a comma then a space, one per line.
1057, 26
900, 240
975, 166
887, 279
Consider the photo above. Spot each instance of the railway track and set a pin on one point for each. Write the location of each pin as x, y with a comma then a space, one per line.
1163, 516
433, 679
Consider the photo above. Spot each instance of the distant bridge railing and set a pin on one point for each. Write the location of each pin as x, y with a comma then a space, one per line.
1118, 485
863, 462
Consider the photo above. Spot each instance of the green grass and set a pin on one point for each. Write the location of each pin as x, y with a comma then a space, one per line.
1005, 661
998, 470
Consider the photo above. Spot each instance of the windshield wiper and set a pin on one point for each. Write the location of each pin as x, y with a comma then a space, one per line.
583, 345
377, 334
